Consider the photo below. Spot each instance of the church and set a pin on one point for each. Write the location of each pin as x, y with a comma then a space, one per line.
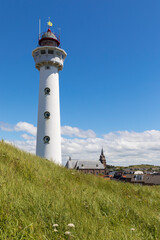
97, 167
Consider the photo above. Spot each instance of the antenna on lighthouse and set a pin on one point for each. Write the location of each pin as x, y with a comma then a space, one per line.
39, 28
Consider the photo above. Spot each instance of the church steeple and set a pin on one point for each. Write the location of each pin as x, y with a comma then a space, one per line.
102, 151
102, 158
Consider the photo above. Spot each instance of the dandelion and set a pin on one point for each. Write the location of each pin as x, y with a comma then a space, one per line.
132, 229
71, 225
67, 233
55, 225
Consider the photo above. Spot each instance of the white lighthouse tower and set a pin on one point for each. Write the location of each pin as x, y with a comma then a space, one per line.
49, 58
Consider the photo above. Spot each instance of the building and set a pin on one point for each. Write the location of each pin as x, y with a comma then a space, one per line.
49, 59
143, 179
97, 167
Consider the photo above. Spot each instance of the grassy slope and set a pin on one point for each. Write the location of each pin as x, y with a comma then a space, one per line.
144, 166
36, 193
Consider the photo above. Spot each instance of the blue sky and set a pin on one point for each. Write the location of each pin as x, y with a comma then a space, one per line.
111, 77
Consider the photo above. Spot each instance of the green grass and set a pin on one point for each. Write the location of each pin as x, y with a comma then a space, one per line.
36, 193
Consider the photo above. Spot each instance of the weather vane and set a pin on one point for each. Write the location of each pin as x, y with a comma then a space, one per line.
50, 24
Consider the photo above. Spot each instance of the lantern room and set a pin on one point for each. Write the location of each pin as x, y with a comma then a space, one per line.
49, 39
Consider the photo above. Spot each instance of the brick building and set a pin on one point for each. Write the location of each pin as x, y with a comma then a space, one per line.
97, 167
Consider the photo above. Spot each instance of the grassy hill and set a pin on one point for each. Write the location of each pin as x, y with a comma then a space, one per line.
146, 166
36, 193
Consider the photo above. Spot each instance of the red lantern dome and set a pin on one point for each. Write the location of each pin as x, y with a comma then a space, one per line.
49, 39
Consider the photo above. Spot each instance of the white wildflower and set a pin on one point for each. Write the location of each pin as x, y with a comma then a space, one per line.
55, 230
71, 225
55, 225
67, 233
132, 229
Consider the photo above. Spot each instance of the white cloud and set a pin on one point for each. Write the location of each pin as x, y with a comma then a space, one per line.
31, 129
121, 148
74, 131
19, 127
27, 137
26, 127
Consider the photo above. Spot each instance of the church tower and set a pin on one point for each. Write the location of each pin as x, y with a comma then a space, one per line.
102, 158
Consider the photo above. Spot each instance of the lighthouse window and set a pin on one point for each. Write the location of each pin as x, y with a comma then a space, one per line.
47, 91
43, 51
50, 51
46, 139
37, 53
47, 67
46, 115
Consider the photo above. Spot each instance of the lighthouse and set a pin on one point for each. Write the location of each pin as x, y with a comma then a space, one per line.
49, 59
